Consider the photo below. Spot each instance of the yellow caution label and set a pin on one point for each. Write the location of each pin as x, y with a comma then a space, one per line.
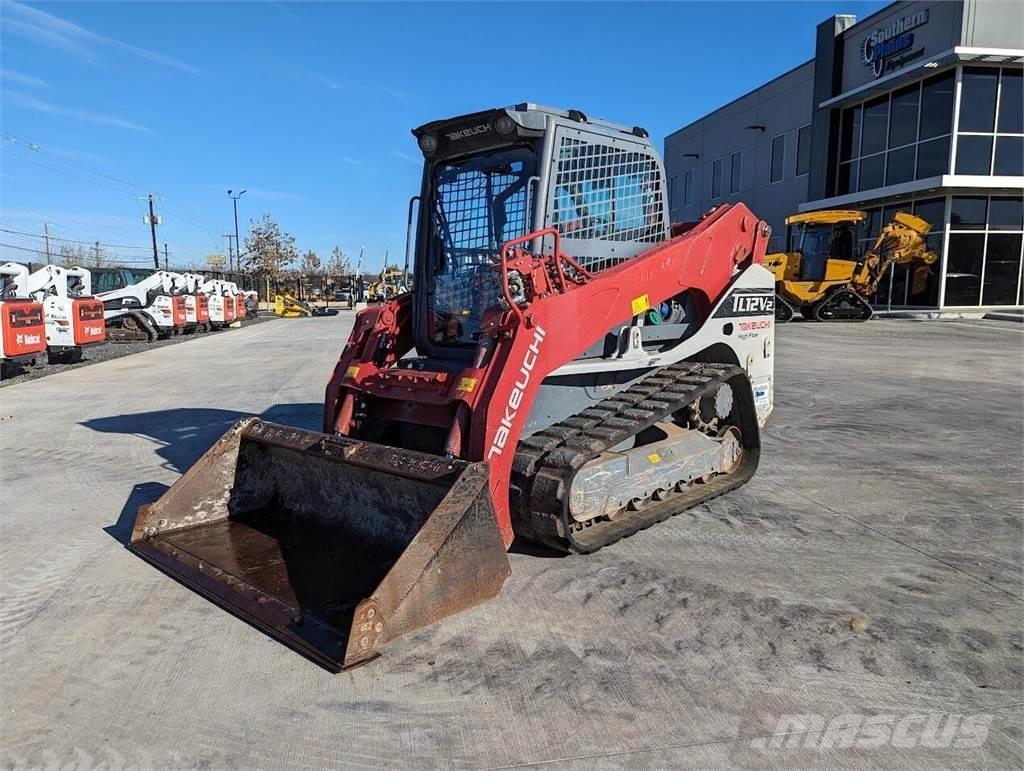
352, 372
466, 384
640, 304
654, 458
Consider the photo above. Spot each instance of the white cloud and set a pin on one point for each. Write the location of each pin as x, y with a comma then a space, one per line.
22, 79
351, 161
408, 157
31, 103
44, 28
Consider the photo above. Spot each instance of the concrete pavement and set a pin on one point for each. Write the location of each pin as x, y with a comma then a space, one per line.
869, 579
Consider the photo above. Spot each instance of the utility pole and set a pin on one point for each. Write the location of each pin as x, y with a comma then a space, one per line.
238, 244
46, 236
96, 246
231, 254
152, 230
165, 257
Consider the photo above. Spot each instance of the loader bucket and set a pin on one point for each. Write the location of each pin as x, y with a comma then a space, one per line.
332, 545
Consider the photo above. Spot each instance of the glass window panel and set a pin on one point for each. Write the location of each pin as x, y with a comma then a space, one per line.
716, 178
967, 212
900, 165
978, 99
875, 125
963, 268
973, 154
903, 116
1009, 156
928, 293
932, 211
803, 150
778, 156
873, 224
937, 105
673, 191
846, 181
688, 188
1011, 102
1006, 214
933, 158
735, 172
849, 145
872, 172
1002, 269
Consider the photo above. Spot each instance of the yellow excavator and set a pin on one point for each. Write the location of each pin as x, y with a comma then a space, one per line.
391, 283
821, 275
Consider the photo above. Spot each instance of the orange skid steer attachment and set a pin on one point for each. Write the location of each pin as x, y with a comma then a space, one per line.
332, 545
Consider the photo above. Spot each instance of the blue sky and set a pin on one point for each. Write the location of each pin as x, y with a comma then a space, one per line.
308, 106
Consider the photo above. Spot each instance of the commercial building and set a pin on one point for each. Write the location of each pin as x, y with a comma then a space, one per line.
919, 107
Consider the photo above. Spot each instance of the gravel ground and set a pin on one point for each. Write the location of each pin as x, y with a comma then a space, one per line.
106, 352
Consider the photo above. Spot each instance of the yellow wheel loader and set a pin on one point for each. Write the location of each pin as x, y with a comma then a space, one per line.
821, 274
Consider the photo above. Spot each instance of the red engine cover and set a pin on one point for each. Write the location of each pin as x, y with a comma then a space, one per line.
24, 331
87, 317
239, 306
202, 308
180, 313
229, 309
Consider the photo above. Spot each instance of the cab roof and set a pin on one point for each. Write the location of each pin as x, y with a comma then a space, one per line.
827, 217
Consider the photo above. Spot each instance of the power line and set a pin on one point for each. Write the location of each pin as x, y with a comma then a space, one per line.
189, 215
71, 240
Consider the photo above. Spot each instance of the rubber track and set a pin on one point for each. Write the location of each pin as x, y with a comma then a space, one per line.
546, 462
834, 297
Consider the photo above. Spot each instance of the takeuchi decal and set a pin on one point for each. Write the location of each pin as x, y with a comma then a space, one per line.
881, 46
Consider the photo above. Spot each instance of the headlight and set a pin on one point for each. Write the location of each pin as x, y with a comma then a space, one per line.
428, 143
504, 125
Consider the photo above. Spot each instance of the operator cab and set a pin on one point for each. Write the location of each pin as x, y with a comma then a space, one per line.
822, 236
497, 175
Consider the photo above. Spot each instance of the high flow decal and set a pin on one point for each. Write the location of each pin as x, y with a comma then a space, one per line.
515, 399
747, 302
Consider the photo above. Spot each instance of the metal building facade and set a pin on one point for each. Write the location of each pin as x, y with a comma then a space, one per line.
920, 107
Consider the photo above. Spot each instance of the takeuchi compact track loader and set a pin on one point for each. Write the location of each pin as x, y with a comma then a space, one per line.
567, 370
821, 274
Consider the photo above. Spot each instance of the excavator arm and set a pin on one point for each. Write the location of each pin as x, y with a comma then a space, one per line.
901, 242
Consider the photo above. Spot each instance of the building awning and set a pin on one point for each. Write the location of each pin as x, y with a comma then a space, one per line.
946, 184
957, 55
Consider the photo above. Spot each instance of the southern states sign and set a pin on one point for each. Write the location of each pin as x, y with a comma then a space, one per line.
890, 47
897, 38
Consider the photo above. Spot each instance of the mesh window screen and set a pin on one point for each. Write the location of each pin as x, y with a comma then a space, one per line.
606, 193
479, 205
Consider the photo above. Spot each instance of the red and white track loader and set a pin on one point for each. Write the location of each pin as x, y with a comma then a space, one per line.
221, 303
143, 309
73, 317
569, 369
22, 328
197, 304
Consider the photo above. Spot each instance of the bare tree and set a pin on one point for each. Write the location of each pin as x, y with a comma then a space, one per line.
339, 264
310, 263
269, 250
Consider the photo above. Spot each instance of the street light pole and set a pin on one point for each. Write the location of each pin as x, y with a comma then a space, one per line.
238, 244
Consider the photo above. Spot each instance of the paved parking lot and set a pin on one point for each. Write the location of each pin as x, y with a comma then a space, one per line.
869, 578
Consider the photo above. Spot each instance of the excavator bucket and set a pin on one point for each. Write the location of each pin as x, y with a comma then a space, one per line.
332, 545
